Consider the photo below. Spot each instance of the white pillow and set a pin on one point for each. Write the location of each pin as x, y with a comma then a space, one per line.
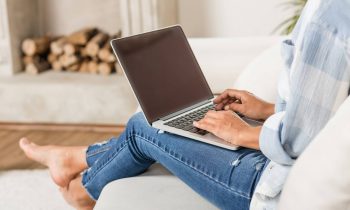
261, 76
320, 179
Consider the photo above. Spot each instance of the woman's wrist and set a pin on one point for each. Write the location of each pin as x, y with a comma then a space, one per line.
249, 137
268, 110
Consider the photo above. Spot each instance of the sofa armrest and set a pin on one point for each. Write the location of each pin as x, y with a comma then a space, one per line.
320, 179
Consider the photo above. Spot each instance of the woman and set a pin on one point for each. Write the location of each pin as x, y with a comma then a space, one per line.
213, 172
314, 84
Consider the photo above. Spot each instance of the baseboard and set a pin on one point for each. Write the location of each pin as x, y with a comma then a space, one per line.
61, 127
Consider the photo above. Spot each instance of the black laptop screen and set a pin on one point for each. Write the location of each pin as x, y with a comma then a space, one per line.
162, 71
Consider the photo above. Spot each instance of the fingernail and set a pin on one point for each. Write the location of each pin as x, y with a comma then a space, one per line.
195, 123
226, 107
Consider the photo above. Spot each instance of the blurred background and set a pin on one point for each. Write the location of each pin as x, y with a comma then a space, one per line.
58, 73
61, 84
199, 18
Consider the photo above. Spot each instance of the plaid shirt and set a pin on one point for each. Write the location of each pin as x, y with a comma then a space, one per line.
312, 87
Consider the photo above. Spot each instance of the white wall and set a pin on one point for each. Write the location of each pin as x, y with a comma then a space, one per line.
200, 18
17, 21
144, 15
225, 18
65, 16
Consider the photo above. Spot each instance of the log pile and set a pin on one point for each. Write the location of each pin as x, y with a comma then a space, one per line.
87, 51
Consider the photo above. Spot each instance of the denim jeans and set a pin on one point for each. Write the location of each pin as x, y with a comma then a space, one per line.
226, 178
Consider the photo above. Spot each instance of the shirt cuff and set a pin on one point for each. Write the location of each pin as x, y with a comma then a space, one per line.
270, 140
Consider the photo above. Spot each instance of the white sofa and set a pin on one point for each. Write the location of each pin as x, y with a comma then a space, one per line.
222, 61
244, 63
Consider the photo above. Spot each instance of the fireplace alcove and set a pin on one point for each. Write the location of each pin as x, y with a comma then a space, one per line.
54, 97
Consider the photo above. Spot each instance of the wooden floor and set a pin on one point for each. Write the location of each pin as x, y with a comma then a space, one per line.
11, 157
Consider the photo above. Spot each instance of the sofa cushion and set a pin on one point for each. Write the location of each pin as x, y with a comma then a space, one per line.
155, 189
223, 59
261, 76
320, 178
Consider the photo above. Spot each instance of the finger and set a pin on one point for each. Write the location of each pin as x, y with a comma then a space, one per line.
205, 125
235, 107
218, 115
208, 119
226, 102
233, 114
219, 106
229, 93
211, 113
220, 98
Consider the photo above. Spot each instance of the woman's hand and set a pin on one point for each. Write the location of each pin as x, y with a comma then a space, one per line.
244, 103
228, 126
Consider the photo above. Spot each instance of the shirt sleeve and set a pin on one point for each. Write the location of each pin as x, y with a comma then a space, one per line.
270, 142
318, 80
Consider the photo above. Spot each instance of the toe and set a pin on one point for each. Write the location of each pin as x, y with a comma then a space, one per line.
23, 142
32, 151
25, 145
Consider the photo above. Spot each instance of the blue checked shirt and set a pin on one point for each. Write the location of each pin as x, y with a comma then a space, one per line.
313, 85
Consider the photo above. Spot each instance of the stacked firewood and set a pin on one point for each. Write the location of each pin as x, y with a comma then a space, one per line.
87, 50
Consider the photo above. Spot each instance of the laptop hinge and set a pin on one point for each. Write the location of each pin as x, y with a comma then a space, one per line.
185, 110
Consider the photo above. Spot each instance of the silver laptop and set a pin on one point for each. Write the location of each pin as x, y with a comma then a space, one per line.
168, 82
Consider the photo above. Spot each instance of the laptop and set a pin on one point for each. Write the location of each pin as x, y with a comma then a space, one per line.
168, 82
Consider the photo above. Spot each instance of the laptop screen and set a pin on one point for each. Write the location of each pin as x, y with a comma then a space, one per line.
162, 71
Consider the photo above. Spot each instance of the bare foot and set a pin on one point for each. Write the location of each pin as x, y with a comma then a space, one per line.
76, 195
64, 162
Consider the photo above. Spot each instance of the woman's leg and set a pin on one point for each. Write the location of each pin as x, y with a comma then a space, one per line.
65, 165
75, 195
226, 178
64, 162
95, 151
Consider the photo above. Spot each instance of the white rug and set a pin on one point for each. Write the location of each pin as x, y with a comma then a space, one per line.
29, 190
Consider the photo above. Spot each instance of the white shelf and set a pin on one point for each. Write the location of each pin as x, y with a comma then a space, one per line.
56, 97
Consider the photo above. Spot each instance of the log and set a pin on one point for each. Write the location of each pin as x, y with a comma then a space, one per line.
37, 66
105, 68
82, 36
94, 45
31, 59
68, 60
71, 49
74, 67
57, 46
61, 60
83, 52
52, 58
106, 54
36, 46
84, 67
93, 67
57, 66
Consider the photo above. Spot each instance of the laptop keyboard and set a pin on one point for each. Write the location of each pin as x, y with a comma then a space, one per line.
185, 122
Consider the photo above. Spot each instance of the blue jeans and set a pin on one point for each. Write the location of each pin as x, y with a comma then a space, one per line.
226, 178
